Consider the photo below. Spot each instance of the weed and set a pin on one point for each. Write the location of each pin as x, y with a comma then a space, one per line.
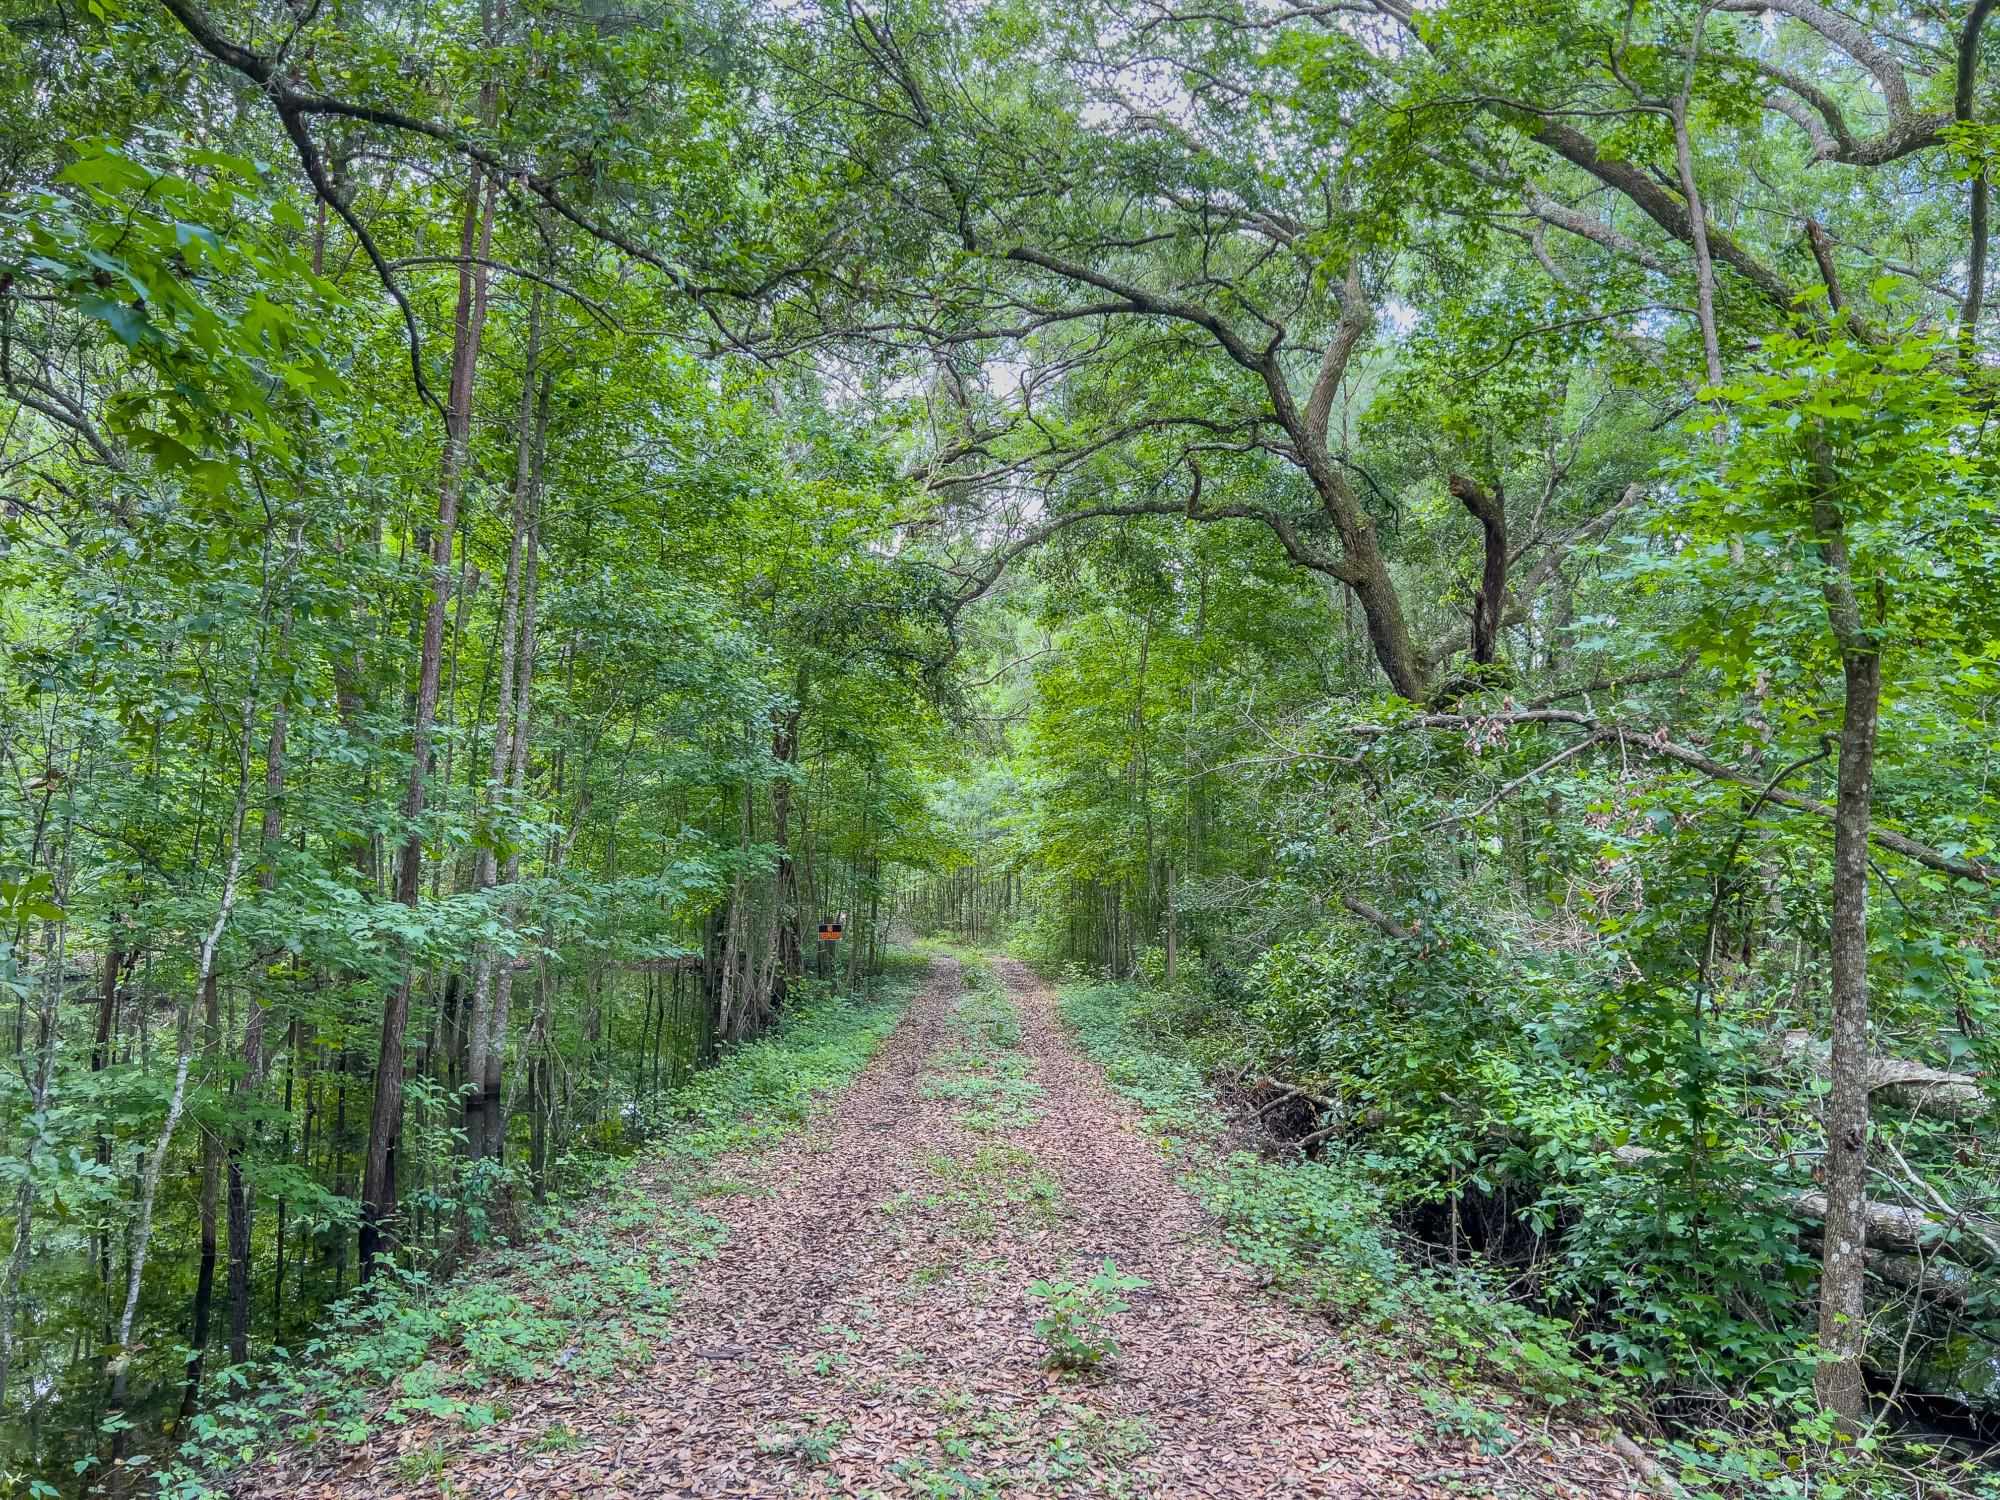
948, 1484
425, 1465
1455, 1416
559, 1437
809, 1445
1094, 1442
1077, 1324
996, 1176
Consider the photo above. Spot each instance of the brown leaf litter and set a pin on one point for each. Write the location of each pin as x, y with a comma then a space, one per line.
867, 1329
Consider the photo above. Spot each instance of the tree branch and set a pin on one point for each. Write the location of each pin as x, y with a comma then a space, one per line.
1849, 36
1376, 917
1141, 300
1355, 317
1661, 207
1490, 511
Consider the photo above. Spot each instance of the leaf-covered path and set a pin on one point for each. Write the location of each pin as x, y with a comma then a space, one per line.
867, 1327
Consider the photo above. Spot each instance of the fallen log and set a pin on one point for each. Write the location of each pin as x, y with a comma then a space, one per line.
1891, 1227
1656, 1479
1913, 1086
1936, 1281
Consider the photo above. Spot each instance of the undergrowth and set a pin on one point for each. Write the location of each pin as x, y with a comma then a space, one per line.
1321, 1233
585, 1292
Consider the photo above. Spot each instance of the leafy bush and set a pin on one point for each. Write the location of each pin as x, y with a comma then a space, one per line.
1488, 1081
1645, 1278
1319, 1231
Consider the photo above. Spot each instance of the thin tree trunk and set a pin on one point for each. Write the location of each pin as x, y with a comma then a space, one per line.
211, 1191
50, 1022
490, 1082
732, 999
480, 1031
270, 842
385, 1121
120, 1354
1843, 1261
115, 958
790, 961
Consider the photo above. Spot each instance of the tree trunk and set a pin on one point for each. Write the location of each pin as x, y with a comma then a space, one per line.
119, 1354
378, 1178
211, 1187
1490, 510
270, 839
493, 1114
790, 964
1843, 1263
24, 1195
733, 998
1842, 1330
115, 958
1362, 567
487, 981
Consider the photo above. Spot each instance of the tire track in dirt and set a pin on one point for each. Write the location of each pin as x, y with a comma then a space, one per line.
867, 1328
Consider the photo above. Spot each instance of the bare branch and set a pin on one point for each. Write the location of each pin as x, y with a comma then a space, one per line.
1568, 753
1141, 300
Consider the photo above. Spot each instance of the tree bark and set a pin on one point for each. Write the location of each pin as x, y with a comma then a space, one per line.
50, 1025
790, 964
211, 1188
1912, 1086
1843, 1262
119, 1355
1490, 510
238, 1202
493, 1114
480, 1033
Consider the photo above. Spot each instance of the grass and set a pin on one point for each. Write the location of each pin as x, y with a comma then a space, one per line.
984, 1069
813, 1446
981, 1450
558, 1437
996, 1176
1316, 1232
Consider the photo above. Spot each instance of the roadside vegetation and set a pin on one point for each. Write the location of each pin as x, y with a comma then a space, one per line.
1495, 1338
584, 1289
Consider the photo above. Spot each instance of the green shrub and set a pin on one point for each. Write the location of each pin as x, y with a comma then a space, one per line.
1673, 1276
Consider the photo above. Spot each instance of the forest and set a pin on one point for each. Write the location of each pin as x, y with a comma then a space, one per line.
1412, 587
